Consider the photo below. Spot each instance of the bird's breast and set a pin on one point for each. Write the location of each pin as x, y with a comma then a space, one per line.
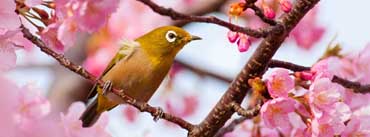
139, 76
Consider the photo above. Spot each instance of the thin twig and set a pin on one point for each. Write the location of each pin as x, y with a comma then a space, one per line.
87, 75
262, 16
180, 16
355, 86
203, 72
244, 112
287, 65
230, 127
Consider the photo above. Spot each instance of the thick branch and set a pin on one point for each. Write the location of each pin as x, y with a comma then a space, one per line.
81, 71
180, 16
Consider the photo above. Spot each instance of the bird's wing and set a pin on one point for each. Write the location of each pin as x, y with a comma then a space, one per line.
125, 52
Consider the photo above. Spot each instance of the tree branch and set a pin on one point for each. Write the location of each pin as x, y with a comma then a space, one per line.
243, 112
230, 127
287, 65
260, 14
189, 18
256, 65
203, 72
82, 72
355, 86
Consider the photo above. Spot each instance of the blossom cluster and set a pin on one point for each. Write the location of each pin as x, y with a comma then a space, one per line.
309, 104
306, 34
28, 113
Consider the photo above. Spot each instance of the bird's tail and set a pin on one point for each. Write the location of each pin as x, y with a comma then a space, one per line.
91, 114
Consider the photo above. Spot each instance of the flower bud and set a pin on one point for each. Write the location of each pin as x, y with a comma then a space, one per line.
268, 12
286, 5
243, 43
232, 36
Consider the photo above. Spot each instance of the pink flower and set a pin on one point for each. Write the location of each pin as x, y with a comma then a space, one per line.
130, 113
89, 15
361, 67
275, 113
243, 43
285, 5
325, 68
8, 92
32, 3
326, 103
307, 32
327, 128
183, 107
279, 83
232, 36
73, 126
67, 33
324, 93
49, 36
93, 14
97, 62
10, 20
268, 11
357, 127
7, 55
32, 105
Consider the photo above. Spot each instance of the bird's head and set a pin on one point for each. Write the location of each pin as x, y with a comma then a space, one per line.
165, 41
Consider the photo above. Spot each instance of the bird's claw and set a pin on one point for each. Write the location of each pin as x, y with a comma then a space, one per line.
158, 114
107, 86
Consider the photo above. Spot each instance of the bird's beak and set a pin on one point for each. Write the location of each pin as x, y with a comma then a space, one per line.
195, 38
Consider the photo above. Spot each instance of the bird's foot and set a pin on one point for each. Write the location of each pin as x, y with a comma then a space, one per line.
107, 87
159, 114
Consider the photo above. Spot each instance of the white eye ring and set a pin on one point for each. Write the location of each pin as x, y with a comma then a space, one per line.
171, 36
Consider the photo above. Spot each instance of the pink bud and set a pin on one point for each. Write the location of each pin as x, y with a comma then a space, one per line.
243, 43
269, 12
286, 5
304, 75
232, 36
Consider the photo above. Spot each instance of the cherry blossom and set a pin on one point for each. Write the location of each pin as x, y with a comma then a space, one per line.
184, 107
50, 37
279, 83
73, 126
308, 32
275, 113
327, 129
32, 3
7, 55
11, 20
357, 127
130, 113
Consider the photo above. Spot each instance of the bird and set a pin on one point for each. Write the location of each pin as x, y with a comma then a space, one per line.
138, 68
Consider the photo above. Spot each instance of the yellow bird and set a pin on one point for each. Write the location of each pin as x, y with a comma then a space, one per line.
138, 68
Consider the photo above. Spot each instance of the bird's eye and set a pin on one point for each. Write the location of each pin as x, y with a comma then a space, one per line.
171, 36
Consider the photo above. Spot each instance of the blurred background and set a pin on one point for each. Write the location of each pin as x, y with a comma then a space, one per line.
203, 68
